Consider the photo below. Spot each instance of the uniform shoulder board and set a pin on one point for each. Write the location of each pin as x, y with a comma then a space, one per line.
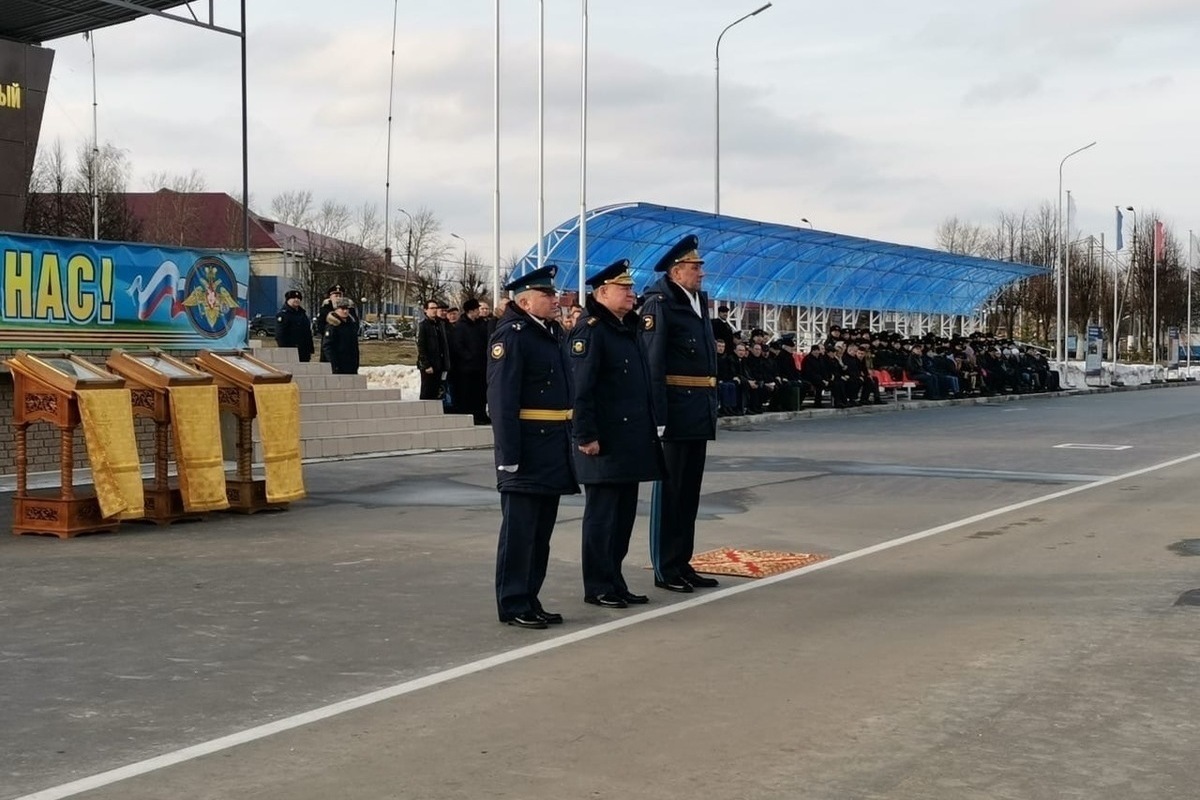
592, 321
516, 326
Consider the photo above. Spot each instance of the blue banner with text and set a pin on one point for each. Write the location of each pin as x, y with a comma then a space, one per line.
77, 293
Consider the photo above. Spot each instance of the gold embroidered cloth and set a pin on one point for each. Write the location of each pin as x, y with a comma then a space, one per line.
279, 426
107, 416
196, 431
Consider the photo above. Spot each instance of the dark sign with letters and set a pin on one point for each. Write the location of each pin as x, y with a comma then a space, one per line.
24, 80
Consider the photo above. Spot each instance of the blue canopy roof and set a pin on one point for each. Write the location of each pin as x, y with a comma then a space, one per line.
751, 261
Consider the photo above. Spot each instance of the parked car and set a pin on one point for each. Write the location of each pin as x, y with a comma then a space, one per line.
263, 326
371, 331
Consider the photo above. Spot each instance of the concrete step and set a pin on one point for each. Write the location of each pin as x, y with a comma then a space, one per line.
309, 397
276, 355
476, 437
324, 429
309, 368
372, 409
323, 382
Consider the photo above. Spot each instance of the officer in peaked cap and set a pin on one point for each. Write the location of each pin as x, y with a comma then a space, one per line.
615, 436
292, 326
529, 400
682, 355
332, 295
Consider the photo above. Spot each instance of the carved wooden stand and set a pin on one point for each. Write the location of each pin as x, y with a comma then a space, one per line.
246, 493
164, 503
236, 374
150, 375
62, 512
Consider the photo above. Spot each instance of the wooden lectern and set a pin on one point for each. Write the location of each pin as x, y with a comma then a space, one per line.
236, 374
46, 387
149, 375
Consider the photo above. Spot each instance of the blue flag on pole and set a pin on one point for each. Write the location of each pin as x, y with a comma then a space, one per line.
1120, 230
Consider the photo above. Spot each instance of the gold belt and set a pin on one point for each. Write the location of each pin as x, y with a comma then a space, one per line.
692, 381
546, 414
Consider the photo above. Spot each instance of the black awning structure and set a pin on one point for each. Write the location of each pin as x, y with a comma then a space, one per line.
37, 21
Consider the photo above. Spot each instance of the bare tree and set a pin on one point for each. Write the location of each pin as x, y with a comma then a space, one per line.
424, 251
293, 207
474, 280
175, 217
962, 238
61, 194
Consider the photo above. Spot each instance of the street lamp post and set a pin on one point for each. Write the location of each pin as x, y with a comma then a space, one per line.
408, 265
1060, 343
462, 296
806, 222
717, 201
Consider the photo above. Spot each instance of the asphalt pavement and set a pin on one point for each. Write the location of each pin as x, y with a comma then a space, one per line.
1003, 614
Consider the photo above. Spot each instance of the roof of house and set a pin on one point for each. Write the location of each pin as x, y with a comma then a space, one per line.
214, 219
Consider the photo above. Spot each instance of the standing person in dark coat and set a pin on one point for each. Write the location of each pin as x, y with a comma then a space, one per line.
615, 435
722, 329
468, 352
292, 326
332, 295
339, 345
529, 397
433, 356
678, 339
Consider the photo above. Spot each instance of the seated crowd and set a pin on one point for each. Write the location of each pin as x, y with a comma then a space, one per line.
852, 365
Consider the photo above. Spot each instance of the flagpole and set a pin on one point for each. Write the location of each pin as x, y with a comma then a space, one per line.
1154, 306
1116, 290
1116, 286
91, 36
541, 203
496, 188
583, 164
1191, 246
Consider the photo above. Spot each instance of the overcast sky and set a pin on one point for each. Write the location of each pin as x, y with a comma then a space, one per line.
869, 117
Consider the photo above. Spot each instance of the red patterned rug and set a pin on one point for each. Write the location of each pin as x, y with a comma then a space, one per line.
751, 563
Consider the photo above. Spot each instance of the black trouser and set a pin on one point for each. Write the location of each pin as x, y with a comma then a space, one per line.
431, 385
524, 551
673, 508
470, 395
870, 390
608, 518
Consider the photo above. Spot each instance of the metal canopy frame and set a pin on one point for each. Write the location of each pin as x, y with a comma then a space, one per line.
770, 264
89, 15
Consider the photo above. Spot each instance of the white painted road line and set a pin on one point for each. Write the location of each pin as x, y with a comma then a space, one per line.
110, 777
1074, 446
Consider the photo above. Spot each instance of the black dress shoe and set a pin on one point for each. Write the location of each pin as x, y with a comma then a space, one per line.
674, 585
527, 620
701, 582
549, 617
634, 599
605, 601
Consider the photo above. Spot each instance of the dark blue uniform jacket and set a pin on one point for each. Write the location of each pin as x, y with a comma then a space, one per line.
527, 369
613, 401
679, 346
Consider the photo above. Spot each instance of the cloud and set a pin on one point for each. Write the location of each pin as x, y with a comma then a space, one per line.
1016, 87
